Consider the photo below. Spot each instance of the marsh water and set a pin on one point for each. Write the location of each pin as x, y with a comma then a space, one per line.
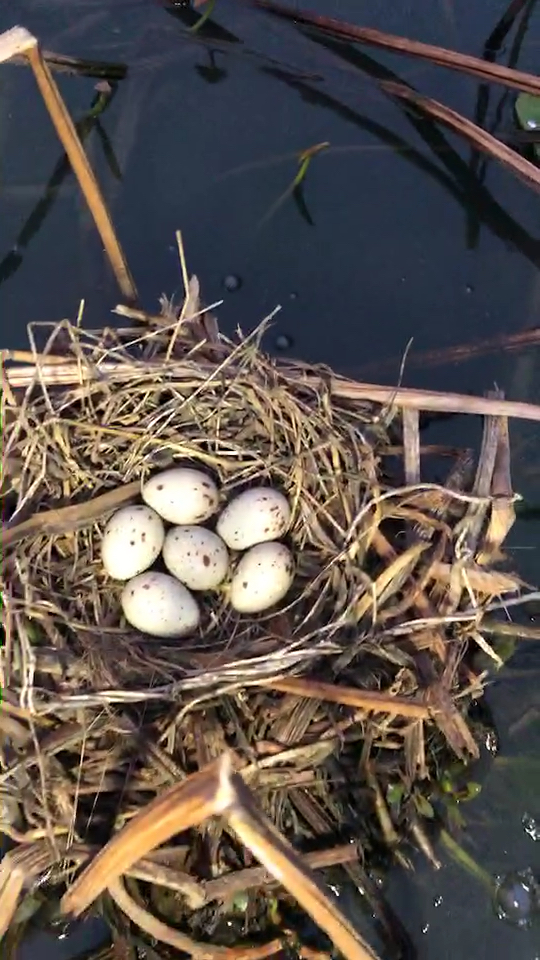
398, 233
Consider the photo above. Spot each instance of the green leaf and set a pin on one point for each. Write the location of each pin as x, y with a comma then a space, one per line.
394, 794
470, 791
424, 807
528, 115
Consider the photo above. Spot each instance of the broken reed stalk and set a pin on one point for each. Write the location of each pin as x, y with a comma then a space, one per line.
516, 79
506, 342
74, 66
473, 133
342, 388
368, 700
215, 791
479, 138
19, 41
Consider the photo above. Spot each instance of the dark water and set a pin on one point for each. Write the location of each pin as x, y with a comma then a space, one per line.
393, 242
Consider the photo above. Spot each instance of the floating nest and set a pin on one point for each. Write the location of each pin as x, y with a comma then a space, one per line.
169, 771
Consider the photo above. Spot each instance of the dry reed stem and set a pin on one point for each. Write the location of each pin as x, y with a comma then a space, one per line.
217, 790
340, 387
504, 342
64, 520
369, 700
20, 41
479, 138
476, 67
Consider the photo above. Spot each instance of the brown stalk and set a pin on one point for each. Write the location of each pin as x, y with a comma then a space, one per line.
488, 582
231, 883
66, 519
462, 352
411, 446
433, 400
10, 890
217, 790
20, 41
479, 138
181, 807
422, 603
440, 56
264, 840
160, 931
503, 513
369, 700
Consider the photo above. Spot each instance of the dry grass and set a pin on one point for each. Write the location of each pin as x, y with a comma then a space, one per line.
359, 684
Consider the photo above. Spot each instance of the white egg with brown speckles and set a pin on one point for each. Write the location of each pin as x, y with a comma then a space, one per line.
255, 516
182, 495
262, 578
132, 541
159, 605
196, 556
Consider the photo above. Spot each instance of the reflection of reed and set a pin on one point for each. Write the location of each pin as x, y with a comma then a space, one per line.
440, 56
49, 194
457, 179
19, 42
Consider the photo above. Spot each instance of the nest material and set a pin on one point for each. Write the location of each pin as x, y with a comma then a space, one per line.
358, 685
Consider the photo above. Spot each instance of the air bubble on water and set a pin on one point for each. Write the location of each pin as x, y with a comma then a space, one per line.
232, 282
517, 897
283, 341
530, 826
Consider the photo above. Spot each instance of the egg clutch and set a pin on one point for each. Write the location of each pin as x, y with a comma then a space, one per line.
197, 558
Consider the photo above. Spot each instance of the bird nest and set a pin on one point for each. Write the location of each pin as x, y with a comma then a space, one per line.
338, 710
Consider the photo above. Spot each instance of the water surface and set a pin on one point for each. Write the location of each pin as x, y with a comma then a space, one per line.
395, 240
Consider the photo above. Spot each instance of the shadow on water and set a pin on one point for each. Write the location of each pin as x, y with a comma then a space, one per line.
89, 123
204, 133
464, 184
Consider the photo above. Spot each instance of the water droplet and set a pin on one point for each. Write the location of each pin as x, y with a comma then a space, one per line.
517, 897
469, 288
283, 342
293, 295
491, 742
232, 282
530, 826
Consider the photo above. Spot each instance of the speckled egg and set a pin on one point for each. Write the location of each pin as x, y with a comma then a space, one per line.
160, 605
132, 540
182, 495
262, 578
196, 556
254, 516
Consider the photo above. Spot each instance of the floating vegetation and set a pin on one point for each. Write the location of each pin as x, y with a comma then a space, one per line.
528, 116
